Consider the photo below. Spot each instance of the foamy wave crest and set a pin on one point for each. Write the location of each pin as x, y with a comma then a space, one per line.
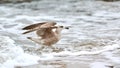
12, 55
104, 49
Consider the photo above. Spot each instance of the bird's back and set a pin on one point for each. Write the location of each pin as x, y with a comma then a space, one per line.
49, 37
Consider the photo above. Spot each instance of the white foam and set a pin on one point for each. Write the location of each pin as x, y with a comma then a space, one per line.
99, 65
46, 57
109, 55
104, 49
13, 55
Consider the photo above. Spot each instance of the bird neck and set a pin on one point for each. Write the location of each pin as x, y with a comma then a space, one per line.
58, 31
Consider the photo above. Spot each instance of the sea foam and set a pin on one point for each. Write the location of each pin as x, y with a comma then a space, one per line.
12, 55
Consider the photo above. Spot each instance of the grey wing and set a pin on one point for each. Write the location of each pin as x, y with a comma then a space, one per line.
48, 25
33, 26
38, 26
43, 31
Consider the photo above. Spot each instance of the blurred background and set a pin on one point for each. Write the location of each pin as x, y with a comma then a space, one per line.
20, 1
93, 40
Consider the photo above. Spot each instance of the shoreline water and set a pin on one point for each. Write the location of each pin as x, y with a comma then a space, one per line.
91, 42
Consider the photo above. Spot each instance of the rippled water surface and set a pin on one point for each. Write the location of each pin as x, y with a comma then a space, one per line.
91, 42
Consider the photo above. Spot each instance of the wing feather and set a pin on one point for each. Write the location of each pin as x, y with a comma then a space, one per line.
33, 26
43, 25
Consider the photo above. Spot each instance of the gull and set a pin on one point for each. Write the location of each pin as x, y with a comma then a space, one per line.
47, 32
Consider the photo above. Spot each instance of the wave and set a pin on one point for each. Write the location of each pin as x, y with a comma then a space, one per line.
12, 55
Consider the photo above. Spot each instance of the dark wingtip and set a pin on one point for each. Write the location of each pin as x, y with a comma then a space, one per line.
24, 33
26, 28
28, 37
28, 31
23, 28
